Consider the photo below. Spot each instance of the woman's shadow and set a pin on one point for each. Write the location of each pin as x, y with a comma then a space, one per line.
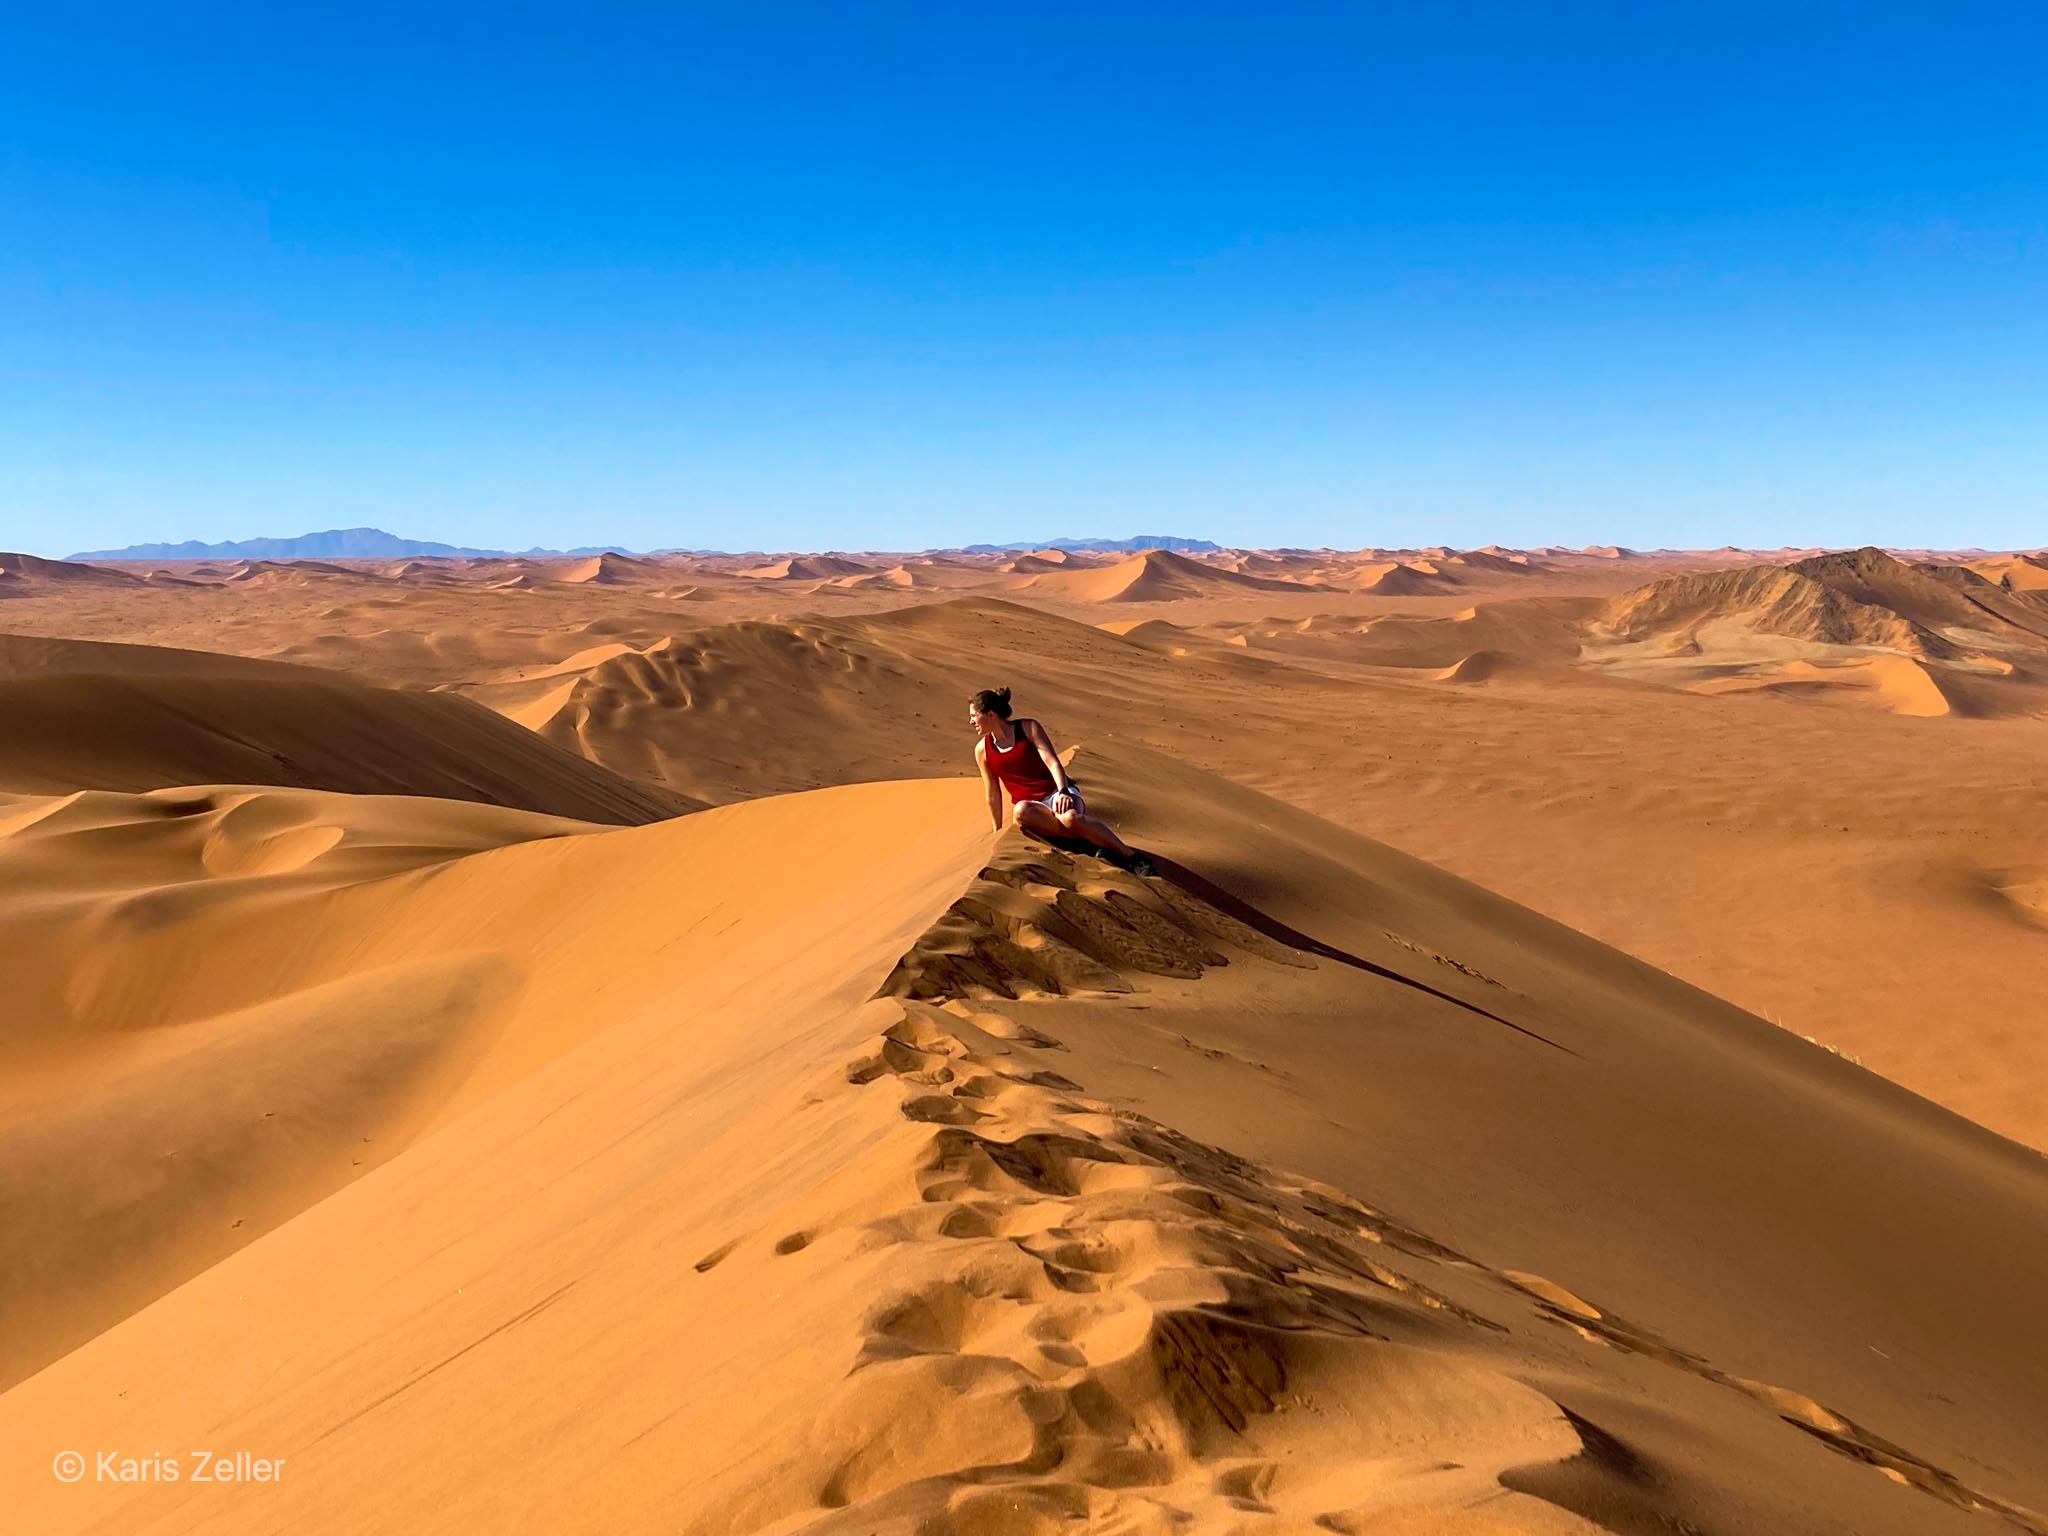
1203, 889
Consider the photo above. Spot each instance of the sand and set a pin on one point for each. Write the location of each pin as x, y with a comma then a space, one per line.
571, 1057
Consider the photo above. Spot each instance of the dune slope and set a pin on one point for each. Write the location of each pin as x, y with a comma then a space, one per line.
232, 1001
1305, 1188
1858, 625
1151, 576
30, 575
755, 707
83, 716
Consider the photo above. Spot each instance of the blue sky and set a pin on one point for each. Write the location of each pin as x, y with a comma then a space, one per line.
788, 276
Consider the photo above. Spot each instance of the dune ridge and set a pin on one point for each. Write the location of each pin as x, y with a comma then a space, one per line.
1857, 598
1776, 600
989, 1201
1919, 640
308, 982
1552, 779
28, 575
610, 568
90, 716
506, 1150
1151, 576
807, 568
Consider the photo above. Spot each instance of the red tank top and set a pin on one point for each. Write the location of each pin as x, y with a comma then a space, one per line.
1018, 768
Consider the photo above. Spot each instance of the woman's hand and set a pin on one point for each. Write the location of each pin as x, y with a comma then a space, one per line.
1063, 802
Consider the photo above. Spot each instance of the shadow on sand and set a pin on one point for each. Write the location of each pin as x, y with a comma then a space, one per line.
1202, 888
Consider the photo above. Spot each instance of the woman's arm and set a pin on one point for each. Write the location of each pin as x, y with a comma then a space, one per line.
995, 790
1049, 756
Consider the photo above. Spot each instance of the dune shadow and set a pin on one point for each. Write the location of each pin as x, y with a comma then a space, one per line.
1203, 889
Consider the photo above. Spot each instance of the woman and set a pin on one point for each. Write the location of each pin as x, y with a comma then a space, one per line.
1017, 755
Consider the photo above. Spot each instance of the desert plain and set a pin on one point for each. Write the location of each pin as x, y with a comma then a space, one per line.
556, 1045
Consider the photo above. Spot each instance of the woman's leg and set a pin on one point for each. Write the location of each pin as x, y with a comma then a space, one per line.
1033, 817
1095, 830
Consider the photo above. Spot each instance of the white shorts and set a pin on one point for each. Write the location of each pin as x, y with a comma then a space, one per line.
1072, 790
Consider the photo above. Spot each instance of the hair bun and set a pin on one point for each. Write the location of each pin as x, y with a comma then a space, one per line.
994, 701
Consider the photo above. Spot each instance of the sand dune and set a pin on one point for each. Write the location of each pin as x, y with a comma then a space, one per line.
696, 710
23, 656
1049, 560
1395, 579
1164, 638
1494, 558
918, 576
394, 1083
1898, 683
1305, 1188
1933, 593
102, 717
807, 568
1477, 667
203, 1042
1284, 565
1428, 573
1860, 598
1635, 812
1540, 632
1919, 640
1042, 560
294, 573
29, 575
1031, 565
533, 695
1770, 600
607, 569
1152, 576
1562, 789
2015, 573
731, 710
306, 982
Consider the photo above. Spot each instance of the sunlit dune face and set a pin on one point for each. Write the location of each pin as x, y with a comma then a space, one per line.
533, 841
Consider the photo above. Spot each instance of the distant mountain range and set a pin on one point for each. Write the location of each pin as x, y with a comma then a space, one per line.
1136, 542
334, 544
376, 544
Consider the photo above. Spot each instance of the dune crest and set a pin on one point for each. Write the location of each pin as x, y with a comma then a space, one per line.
1897, 683
29, 575
609, 569
2015, 573
1478, 667
91, 716
1395, 578
1020, 1203
397, 1083
807, 568
1151, 576
1918, 640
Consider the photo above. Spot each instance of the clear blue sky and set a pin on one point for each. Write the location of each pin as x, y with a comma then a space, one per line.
883, 275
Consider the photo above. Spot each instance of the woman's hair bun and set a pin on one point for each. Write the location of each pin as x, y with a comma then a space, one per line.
994, 701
